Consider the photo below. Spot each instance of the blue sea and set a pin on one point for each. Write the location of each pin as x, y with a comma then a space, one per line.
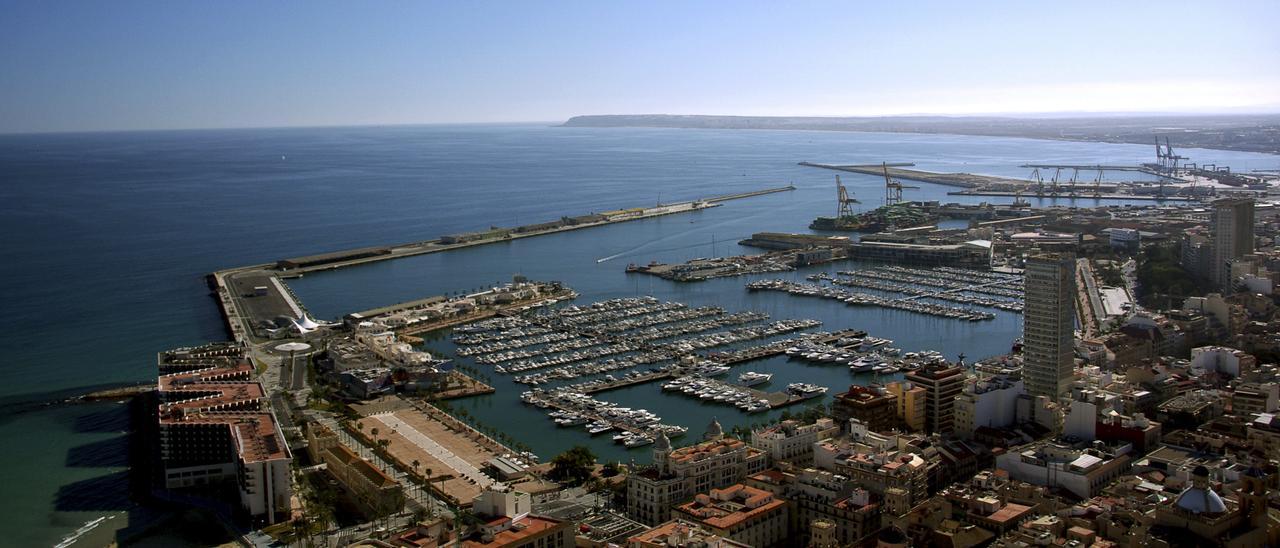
108, 237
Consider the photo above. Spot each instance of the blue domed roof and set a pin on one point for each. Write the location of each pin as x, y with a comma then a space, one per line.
1199, 500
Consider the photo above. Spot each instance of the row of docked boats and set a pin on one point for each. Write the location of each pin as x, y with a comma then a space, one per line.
569, 409
509, 340
714, 391
741, 334
652, 320
804, 390
952, 295
593, 368
866, 299
690, 328
998, 284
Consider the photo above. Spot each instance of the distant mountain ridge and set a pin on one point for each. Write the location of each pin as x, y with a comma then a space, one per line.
1242, 132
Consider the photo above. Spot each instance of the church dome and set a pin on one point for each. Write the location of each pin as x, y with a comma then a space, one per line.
1199, 499
714, 431
662, 442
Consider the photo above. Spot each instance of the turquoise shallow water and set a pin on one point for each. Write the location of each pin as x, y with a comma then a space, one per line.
108, 237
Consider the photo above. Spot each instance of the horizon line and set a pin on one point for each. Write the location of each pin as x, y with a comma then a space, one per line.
1061, 115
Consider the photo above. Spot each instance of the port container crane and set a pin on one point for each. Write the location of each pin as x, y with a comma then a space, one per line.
892, 188
845, 203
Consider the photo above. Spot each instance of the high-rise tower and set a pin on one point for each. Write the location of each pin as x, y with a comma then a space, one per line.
1048, 332
1232, 238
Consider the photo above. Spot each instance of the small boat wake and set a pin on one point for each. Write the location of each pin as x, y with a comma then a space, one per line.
82, 531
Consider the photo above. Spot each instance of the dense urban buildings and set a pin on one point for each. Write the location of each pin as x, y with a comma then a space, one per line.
1141, 405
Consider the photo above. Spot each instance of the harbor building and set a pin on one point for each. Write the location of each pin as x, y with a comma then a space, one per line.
1048, 333
745, 514
1232, 238
678, 474
941, 384
216, 429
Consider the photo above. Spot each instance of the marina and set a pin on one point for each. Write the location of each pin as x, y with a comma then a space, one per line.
867, 299
993, 290
629, 332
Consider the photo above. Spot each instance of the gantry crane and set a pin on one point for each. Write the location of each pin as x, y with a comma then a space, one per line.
892, 188
845, 203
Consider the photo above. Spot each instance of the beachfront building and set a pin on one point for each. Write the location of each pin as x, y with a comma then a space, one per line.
217, 430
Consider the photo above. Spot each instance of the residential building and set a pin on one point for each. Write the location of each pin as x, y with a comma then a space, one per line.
990, 402
941, 384
1048, 335
745, 514
911, 404
1220, 359
679, 533
791, 441
1082, 469
507, 523
678, 474
872, 405
1232, 237
877, 470
1249, 399
376, 493
1197, 254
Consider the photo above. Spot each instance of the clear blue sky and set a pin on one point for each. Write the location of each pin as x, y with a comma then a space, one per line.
124, 64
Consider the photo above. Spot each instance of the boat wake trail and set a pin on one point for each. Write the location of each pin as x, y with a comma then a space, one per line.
682, 234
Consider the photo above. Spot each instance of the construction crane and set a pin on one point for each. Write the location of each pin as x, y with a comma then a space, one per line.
845, 208
892, 188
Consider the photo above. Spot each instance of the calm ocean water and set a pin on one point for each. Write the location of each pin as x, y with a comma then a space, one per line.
108, 237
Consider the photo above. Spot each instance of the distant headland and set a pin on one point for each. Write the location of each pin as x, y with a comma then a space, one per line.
1242, 132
